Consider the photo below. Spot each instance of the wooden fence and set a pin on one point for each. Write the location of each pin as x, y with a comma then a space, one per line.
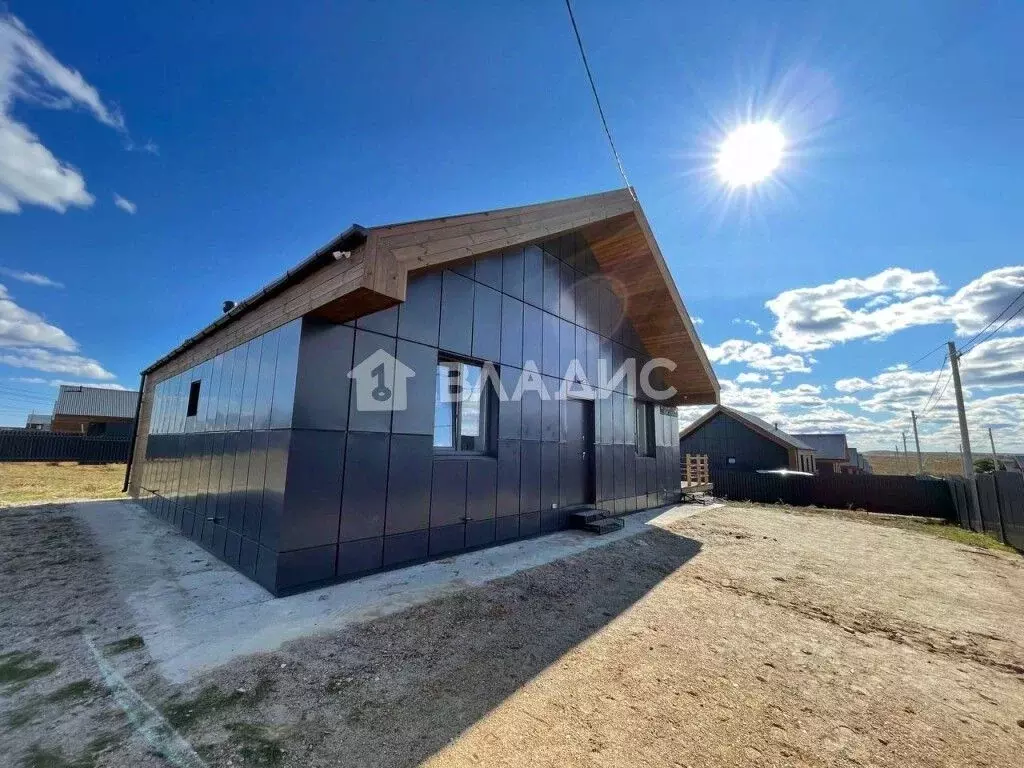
872, 493
36, 445
1000, 506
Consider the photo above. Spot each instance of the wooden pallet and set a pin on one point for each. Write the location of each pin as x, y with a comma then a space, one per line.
695, 468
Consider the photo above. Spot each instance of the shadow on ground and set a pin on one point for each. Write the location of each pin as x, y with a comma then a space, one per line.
396, 690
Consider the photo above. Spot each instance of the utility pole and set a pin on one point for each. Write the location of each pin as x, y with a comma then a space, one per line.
917, 444
995, 457
968, 459
906, 456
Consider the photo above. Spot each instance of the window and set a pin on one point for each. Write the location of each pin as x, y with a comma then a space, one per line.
460, 407
193, 399
644, 427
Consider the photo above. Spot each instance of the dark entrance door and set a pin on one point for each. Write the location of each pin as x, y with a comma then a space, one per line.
577, 453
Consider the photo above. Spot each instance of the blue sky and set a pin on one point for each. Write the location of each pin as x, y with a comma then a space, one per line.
239, 139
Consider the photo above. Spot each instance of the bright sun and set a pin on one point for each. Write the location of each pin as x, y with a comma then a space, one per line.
750, 153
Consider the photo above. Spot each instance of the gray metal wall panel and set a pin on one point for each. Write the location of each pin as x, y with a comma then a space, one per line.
567, 290
510, 415
360, 556
531, 407
364, 493
533, 336
511, 331
448, 494
254, 485
322, 385
239, 482
448, 538
305, 566
265, 384
384, 322
566, 346
405, 547
549, 463
507, 497
368, 344
456, 313
550, 345
284, 377
550, 426
552, 284
226, 482
488, 271
512, 273
417, 418
481, 482
533, 276
313, 491
274, 488
419, 316
486, 323
409, 478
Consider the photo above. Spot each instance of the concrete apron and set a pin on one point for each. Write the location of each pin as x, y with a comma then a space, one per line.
195, 612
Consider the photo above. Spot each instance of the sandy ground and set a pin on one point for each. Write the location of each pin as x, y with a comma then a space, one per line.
742, 636
50, 481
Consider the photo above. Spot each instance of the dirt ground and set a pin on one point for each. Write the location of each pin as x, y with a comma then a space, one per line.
47, 481
741, 636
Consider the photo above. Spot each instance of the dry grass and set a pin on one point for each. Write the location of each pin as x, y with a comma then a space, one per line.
886, 463
53, 481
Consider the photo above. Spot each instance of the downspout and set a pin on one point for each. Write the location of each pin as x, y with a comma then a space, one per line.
135, 432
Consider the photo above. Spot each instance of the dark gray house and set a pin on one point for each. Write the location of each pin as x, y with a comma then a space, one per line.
381, 403
733, 439
832, 453
95, 411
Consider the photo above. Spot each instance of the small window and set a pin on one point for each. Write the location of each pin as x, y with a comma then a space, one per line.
460, 407
644, 427
731, 460
193, 399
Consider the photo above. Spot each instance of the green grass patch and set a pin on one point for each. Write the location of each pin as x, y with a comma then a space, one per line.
255, 744
124, 645
208, 701
18, 667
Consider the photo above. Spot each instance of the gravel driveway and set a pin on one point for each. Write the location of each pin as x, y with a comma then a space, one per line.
745, 635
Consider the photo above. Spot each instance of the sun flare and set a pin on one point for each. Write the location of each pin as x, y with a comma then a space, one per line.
751, 153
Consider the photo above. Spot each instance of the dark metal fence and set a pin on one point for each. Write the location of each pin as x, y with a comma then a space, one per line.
36, 445
872, 493
1000, 502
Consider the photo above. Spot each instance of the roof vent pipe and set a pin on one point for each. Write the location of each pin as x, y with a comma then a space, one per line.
228, 306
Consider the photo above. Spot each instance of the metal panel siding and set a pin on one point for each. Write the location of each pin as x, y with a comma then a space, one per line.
511, 331
254, 485
239, 483
405, 547
322, 383
251, 380
364, 494
417, 418
531, 407
313, 490
510, 415
566, 346
488, 271
448, 494
530, 478
533, 276
368, 344
81, 400
384, 322
507, 496
723, 437
550, 345
480, 488
360, 556
486, 323
409, 477
274, 488
456, 310
419, 316
265, 384
552, 284
284, 378
567, 297
549, 409
533, 335
549, 463
512, 273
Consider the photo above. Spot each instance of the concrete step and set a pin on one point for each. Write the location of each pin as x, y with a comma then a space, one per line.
604, 525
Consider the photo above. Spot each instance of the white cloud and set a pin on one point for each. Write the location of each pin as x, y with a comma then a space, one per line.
94, 384
20, 327
697, 320
814, 318
998, 362
751, 378
29, 172
758, 330
756, 355
34, 278
50, 362
982, 300
28, 379
820, 317
125, 205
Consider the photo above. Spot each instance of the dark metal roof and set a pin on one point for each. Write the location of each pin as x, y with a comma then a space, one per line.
38, 418
95, 401
829, 447
759, 424
347, 240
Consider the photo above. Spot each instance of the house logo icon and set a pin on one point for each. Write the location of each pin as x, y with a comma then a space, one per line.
381, 383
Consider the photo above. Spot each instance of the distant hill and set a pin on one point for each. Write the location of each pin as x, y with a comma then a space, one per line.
935, 463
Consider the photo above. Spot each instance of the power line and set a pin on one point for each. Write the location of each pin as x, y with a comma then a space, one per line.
597, 100
935, 388
970, 341
925, 357
997, 329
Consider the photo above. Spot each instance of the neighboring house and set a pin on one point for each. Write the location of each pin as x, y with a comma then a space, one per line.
254, 441
865, 465
733, 439
830, 451
39, 422
855, 464
94, 411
